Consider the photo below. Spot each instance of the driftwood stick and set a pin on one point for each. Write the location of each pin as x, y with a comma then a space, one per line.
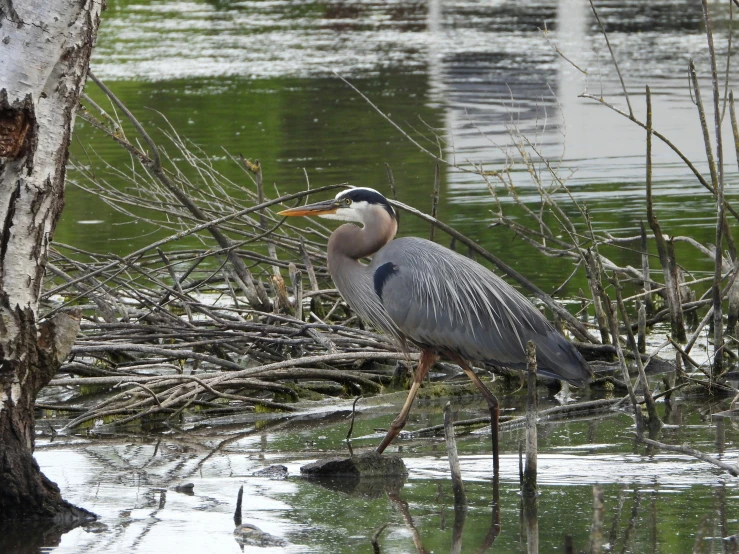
225, 377
148, 349
596, 289
530, 469
645, 269
296, 279
668, 263
718, 324
642, 327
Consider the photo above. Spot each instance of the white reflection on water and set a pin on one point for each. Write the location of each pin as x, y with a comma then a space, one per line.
127, 498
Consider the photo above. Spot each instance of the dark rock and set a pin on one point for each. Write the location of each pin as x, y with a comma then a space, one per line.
186, 488
273, 472
368, 475
369, 464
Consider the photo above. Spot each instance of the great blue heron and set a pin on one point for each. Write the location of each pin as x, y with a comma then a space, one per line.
446, 304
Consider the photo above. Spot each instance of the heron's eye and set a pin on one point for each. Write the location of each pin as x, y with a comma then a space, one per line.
347, 201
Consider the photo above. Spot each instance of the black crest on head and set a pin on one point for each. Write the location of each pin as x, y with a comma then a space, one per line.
371, 197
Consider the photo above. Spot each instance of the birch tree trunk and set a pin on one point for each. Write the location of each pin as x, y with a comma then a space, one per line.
45, 48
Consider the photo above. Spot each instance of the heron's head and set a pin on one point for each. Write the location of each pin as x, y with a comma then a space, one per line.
358, 205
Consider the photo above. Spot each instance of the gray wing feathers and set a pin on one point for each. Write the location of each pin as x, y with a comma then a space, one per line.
442, 299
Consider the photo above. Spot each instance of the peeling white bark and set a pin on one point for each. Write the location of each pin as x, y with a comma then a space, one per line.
40, 63
45, 47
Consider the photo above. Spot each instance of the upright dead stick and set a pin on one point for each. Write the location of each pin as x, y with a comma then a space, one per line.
704, 125
296, 279
309, 267
256, 168
531, 520
645, 269
596, 288
668, 263
282, 301
715, 165
351, 425
528, 494
718, 327
237, 512
529, 473
642, 328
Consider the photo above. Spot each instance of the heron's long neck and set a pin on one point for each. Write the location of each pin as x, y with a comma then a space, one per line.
350, 243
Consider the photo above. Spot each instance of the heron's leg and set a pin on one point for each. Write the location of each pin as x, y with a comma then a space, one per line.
493, 405
424, 364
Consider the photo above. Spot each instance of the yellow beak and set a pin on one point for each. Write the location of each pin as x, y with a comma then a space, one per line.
319, 208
